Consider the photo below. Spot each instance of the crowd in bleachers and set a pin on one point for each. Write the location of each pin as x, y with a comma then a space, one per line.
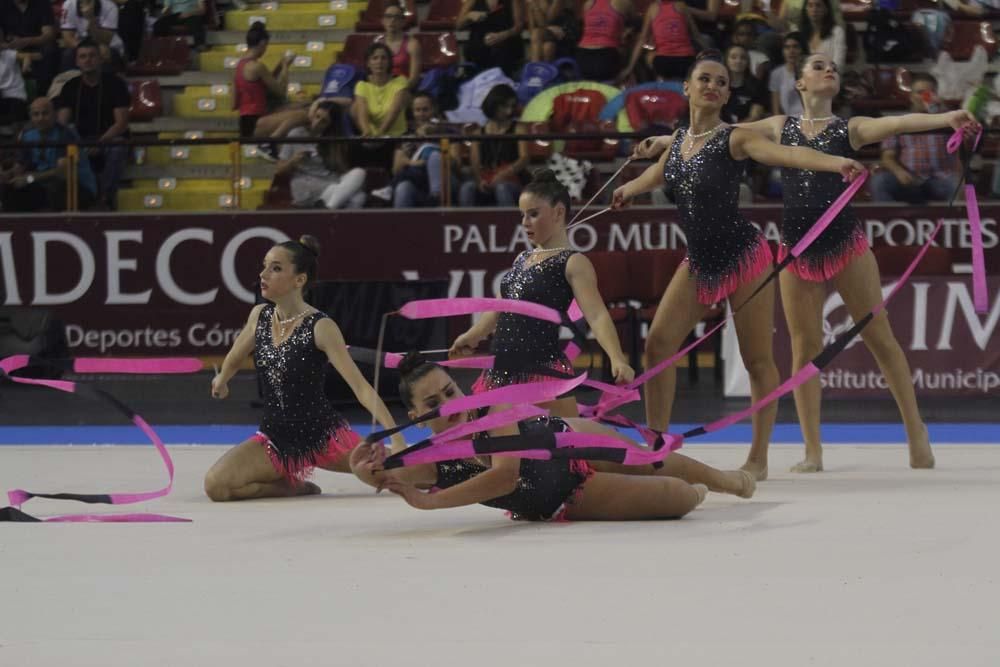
398, 71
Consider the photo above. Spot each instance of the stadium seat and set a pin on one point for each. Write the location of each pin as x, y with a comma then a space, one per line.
440, 49
965, 36
441, 15
371, 17
891, 86
577, 112
147, 101
661, 108
355, 47
162, 56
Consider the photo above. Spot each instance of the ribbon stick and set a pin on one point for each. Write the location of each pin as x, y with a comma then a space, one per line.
17, 497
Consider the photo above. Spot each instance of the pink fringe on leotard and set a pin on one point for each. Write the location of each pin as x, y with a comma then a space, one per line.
755, 260
341, 443
819, 270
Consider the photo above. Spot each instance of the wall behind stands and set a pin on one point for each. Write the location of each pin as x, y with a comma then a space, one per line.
183, 284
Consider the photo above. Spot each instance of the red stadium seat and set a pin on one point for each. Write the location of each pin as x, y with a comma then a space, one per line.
891, 86
441, 15
578, 111
965, 36
371, 17
355, 47
162, 56
147, 101
439, 49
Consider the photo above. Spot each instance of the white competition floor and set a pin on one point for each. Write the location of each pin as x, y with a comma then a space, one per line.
870, 563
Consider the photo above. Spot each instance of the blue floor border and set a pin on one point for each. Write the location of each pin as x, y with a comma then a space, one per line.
215, 434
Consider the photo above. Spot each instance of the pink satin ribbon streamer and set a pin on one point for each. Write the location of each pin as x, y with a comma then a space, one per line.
18, 497
980, 296
425, 308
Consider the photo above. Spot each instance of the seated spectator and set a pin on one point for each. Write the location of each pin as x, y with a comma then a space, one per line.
497, 165
29, 26
745, 35
416, 166
789, 17
378, 109
37, 181
917, 167
674, 33
784, 95
747, 95
96, 104
320, 174
253, 82
283, 120
132, 25
494, 33
706, 17
599, 52
13, 95
96, 19
820, 32
554, 28
189, 14
407, 59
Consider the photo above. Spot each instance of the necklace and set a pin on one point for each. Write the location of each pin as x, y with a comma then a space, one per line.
694, 137
534, 251
813, 121
284, 323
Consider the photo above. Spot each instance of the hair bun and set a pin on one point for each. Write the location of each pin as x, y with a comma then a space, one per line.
311, 243
544, 176
411, 362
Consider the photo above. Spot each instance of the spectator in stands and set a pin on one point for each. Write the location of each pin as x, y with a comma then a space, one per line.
790, 15
784, 96
706, 18
599, 52
747, 95
917, 167
416, 166
745, 35
13, 95
379, 107
96, 19
407, 59
820, 32
132, 25
497, 165
253, 81
189, 14
674, 33
96, 104
29, 26
37, 181
554, 28
494, 33
321, 173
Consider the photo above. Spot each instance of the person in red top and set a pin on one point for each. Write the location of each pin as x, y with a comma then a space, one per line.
599, 52
673, 32
253, 81
407, 59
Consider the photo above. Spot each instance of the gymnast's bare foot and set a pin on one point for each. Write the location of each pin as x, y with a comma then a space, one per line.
745, 483
921, 455
308, 489
757, 469
808, 464
702, 492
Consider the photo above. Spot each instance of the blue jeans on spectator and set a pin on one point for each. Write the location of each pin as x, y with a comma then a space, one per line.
886, 187
410, 192
501, 194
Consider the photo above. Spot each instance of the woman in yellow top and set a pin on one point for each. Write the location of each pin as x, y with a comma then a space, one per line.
379, 103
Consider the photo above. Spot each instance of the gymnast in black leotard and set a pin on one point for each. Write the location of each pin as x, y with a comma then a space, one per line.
727, 257
537, 490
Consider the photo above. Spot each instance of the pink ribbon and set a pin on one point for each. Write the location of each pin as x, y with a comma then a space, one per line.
980, 297
17, 497
422, 309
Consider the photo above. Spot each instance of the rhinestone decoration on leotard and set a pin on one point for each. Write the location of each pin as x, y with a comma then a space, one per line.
524, 345
808, 194
298, 418
723, 249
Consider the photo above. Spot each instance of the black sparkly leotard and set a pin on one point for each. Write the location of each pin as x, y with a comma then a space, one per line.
724, 250
544, 488
808, 194
525, 347
300, 428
